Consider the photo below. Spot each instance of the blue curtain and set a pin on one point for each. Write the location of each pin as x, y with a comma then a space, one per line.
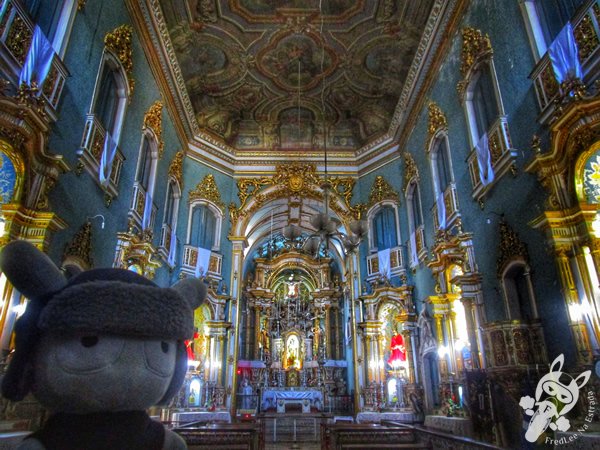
384, 228
203, 227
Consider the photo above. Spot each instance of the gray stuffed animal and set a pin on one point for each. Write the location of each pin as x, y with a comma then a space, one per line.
97, 351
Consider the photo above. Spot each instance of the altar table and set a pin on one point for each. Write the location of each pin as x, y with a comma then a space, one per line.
280, 398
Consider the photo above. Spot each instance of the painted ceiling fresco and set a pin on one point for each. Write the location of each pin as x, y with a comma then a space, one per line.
281, 74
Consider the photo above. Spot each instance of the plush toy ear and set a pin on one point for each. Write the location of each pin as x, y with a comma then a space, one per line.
192, 290
29, 270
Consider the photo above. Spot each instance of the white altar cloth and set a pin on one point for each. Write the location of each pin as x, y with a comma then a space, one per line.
274, 398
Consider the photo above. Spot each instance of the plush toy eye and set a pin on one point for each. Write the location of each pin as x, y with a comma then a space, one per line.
87, 353
160, 359
89, 341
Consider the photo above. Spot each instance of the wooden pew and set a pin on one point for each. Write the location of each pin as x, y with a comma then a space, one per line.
348, 436
223, 436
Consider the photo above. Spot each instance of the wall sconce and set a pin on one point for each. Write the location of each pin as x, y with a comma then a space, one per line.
96, 216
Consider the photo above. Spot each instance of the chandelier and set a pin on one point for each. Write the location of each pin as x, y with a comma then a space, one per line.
327, 228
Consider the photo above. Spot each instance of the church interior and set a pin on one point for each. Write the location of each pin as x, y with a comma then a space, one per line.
394, 206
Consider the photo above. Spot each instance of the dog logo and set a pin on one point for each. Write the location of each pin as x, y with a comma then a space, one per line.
555, 395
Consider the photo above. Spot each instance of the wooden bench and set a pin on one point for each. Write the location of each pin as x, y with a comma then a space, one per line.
223, 436
347, 436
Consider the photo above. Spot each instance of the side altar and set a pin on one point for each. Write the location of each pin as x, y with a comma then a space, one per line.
279, 398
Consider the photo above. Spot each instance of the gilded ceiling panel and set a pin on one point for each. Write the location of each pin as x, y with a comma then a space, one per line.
278, 75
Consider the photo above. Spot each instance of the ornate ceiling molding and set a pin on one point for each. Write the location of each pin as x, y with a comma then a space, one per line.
119, 42
153, 120
207, 190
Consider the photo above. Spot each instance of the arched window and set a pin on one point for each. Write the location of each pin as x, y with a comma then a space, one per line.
171, 204
482, 106
415, 214
55, 20
384, 228
441, 165
146, 165
517, 288
107, 104
168, 235
203, 227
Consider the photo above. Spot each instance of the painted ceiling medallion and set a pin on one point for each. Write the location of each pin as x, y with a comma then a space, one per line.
293, 61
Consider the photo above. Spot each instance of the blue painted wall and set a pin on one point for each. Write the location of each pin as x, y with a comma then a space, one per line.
519, 198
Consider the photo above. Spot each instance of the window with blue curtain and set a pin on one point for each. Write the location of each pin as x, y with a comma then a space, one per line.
442, 163
414, 200
170, 204
45, 14
484, 102
554, 15
203, 227
384, 228
107, 100
145, 165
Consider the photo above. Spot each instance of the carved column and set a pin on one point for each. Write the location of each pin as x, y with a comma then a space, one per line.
438, 317
578, 328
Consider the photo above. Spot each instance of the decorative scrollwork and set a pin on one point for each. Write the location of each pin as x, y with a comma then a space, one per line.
153, 120
207, 190
437, 119
80, 248
476, 45
381, 190
510, 247
411, 170
120, 43
176, 167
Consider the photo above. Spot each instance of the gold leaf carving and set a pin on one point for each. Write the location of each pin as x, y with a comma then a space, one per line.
153, 120
207, 190
510, 247
437, 119
381, 190
410, 170
475, 46
119, 42
80, 248
176, 167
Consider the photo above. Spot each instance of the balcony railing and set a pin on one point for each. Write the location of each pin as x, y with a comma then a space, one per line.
514, 343
92, 146
502, 154
451, 206
586, 28
190, 258
396, 263
16, 33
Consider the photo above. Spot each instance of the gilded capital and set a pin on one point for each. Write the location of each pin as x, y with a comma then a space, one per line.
437, 119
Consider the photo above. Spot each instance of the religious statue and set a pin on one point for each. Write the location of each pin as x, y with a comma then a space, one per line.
398, 351
263, 341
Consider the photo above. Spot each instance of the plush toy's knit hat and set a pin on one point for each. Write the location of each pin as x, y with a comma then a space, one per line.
104, 301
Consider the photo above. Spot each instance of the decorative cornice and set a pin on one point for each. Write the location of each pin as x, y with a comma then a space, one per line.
411, 170
509, 248
381, 190
119, 41
80, 247
475, 46
176, 167
207, 190
437, 119
153, 120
